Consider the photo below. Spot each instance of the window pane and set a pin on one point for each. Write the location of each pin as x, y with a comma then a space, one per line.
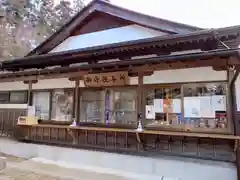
163, 106
41, 101
62, 105
4, 97
92, 106
18, 97
205, 105
122, 106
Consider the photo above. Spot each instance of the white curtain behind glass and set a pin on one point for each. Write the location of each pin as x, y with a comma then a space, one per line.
62, 105
123, 106
41, 102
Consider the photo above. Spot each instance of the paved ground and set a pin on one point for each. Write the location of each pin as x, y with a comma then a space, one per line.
23, 169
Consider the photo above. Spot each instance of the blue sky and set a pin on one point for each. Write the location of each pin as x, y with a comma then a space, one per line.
202, 13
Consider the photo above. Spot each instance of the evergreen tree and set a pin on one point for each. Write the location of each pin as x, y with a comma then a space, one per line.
24, 24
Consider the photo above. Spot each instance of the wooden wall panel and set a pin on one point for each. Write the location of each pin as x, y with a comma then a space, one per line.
128, 142
8, 120
98, 22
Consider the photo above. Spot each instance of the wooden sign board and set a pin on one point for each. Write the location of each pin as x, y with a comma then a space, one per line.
107, 79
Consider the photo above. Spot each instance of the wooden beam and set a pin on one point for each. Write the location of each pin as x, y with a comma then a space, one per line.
140, 100
234, 67
133, 70
29, 93
32, 82
234, 77
233, 74
233, 61
76, 100
159, 132
75, 78
230, 74
42, 77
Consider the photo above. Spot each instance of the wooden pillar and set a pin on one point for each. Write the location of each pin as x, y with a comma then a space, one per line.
29, 94
230, 110
236, 126
232, 105
76, 100
75, 113
141, 110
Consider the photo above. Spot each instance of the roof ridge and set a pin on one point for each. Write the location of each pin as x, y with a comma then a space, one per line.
151, 16
109, 8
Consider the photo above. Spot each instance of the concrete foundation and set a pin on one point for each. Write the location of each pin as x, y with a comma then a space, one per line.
164, 168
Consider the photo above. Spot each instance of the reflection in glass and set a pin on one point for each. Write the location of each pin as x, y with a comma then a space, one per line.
209, 102
163, 106
18, 97
198, 106
41, 101
4, 97
62, 105
92, 106
122, 108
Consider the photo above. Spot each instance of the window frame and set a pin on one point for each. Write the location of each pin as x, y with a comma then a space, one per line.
86, 89
136, 100
51, 102
8, 93
148, 87
105, 89
25, 97
50, 96
51, 91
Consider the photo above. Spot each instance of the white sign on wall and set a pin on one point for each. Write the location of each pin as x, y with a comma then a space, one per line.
31, 111
150, 113
158, 105
237, 90
204, 106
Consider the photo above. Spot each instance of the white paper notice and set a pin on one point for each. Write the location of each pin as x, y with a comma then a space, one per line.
176, 106
158, 105
219, 103
207, 110
238, 102
31, 111
192, 107
150, 113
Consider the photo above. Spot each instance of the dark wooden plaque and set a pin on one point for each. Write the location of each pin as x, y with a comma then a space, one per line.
107, 79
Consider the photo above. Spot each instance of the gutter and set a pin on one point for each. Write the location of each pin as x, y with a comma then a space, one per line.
154, 60
211, 34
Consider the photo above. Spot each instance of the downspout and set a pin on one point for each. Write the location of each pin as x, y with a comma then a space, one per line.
233, 100
235, 120
231, 85
234, 78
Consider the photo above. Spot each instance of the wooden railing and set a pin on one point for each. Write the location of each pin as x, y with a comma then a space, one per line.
122, 140
195, 145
